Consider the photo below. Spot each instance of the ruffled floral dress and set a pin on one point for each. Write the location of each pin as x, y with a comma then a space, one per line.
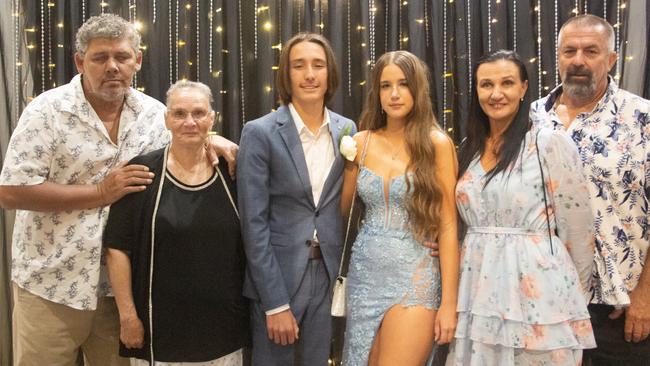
521, 298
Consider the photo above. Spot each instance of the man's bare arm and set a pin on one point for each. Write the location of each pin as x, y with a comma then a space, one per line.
49, 196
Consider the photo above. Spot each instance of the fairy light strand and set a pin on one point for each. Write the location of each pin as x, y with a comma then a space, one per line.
426, 23
489, 22
16, 13
171, 40
556, 27
133, 12
444, 65
198, 40
255, 28
241, 64
371, 7
386, 26
210, 35
49, 43
514, 25
177, 39
539, 48
469, 49
349, 51
42, 46
299, 16
619, 64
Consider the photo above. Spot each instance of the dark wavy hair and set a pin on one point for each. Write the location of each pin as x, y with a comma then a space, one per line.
478, 126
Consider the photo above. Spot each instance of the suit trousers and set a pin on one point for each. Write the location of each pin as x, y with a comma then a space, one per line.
47, 333
311, 307
612, 349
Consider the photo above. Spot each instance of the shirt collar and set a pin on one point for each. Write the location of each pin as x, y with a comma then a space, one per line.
300, 124
555, 94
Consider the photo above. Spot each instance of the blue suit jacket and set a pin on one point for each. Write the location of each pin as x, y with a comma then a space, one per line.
277, 210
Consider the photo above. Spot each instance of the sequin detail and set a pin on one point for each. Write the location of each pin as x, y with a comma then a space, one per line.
388, 267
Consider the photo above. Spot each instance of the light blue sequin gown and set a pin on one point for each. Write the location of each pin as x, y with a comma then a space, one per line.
388, 267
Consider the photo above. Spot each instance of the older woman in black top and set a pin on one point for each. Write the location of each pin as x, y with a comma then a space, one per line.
174, 253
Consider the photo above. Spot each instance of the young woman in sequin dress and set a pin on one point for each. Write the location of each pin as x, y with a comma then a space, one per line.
400, 299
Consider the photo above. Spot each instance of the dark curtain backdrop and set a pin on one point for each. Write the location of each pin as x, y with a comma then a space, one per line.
233, 46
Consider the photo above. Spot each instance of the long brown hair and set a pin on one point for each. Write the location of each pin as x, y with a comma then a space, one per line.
283, 79
424, 194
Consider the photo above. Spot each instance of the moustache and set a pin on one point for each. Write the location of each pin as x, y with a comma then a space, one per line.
578, 71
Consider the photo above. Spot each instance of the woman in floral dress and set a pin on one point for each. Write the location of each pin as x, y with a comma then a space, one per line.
527, 255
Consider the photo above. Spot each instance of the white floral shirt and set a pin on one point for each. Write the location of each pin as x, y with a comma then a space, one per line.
59, 138
614, 145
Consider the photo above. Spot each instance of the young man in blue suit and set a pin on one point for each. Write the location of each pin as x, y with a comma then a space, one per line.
289, 184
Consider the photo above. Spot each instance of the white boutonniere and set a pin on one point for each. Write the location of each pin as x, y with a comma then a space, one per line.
347, 145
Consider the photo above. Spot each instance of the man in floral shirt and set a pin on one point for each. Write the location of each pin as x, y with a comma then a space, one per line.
611, 128
64, 166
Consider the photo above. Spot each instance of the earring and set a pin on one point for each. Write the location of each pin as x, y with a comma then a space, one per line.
521, 99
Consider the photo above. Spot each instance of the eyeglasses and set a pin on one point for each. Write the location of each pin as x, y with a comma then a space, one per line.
181, 114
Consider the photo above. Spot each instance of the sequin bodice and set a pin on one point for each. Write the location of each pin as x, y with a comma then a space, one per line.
388, 266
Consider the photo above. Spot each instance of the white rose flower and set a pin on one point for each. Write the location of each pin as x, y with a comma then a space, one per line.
348, 148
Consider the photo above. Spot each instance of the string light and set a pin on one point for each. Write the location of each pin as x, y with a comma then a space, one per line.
321, 24
539, 48
489, 16
299, 15
210, 19
555, 15
349, 51
371, 18
469, 48
257, 10
178, 42
444, 62
198, 40
49, 41
241, 66
17, 63
399, 23
386, 26
605, 9
138, 26
514, 25
619, 64
42, 46
426, 23
170, 38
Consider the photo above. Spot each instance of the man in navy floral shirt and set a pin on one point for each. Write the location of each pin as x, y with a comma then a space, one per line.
611, 128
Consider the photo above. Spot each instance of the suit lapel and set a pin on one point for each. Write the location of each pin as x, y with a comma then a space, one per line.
336, 129
289, 134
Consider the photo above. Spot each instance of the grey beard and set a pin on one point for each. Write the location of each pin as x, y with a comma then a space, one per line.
579, 92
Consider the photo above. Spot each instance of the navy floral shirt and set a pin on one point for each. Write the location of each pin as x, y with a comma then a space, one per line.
614, 145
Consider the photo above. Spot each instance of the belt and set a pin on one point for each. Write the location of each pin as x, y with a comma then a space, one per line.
314, 250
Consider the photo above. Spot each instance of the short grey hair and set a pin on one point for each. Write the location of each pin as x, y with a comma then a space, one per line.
186, 84
590, 20
106, 26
